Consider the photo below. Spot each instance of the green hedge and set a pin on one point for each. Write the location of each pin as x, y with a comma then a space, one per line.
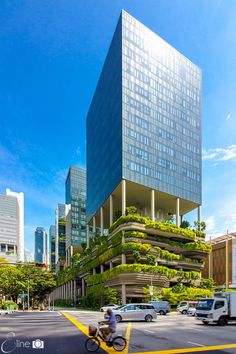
155, 225
135, 234
137, 268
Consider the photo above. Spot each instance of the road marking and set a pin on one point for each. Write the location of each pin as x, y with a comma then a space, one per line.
84, 330
127, 337
199, 345
190, 350
147, 330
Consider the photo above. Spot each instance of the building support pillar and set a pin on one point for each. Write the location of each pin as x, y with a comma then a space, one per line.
227, 262
123, 258
88, 236
74, 292
83, 287
94, 271
199, 216
111, 209
153, 205
123, 294
94, 226
123, 197
101, 268
177, 212
101, 221
111, 265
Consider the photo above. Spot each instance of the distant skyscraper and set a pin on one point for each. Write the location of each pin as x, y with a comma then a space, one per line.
52, 240
40, 253
76, 218
144, 129
12, 226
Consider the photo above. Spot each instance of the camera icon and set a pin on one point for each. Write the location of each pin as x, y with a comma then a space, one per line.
38, 344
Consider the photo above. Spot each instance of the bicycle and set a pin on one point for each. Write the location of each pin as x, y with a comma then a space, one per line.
92, 344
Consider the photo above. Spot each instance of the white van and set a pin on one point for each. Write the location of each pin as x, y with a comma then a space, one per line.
184, 306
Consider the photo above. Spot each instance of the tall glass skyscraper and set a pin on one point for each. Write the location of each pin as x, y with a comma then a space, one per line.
40, 249
144, 129
76, 198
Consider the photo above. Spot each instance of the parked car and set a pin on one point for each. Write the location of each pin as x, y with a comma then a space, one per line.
161, 307
184, 306
191, 311
109, 306
136, 312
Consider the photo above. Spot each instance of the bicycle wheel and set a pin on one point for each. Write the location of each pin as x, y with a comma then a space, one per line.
119, 343
92, 344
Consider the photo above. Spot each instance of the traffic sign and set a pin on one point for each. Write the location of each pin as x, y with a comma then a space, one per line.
23, 295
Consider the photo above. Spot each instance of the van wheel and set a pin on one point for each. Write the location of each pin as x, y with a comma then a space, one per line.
161, 312
118, 318
148, 318
184, 312
222, 321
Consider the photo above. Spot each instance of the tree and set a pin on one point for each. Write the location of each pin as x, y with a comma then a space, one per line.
185, 224
201, 226
130, 210
117, 214
111, 296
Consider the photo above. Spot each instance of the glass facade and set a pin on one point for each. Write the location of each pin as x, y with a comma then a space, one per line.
76, 197
40, 253
159, 117
104, 135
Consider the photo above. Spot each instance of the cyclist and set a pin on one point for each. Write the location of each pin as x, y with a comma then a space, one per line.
110, 325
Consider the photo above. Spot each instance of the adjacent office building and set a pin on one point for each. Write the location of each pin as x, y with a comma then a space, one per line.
60, 240
76, 210
52, 240
144, 130
40, 250
221, 262
12, 226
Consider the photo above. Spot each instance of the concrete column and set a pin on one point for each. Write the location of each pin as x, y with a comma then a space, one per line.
14, 249
94, 226
83, 287
71, 290
111, 209
199, 215
123, 294
101, 221
177, 212
123, 196
152, 204
74, 291
66, 291
88, 236
111, 265
101, 268
94, 271
6, 248
123, 258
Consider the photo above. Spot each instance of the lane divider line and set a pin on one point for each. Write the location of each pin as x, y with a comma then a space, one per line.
127, 337
191, 350
84, 330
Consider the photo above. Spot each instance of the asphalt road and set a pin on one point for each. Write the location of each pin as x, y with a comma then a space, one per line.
168, 334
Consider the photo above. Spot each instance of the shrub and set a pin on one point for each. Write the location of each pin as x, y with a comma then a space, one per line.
112, 296
130, 210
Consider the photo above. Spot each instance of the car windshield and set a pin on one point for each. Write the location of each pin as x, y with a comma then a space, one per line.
205, 304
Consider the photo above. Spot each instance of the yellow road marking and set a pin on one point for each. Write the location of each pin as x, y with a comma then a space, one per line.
190, 350
127, 337
84, 330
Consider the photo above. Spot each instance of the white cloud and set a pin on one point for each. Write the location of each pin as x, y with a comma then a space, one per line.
228, 116
220, 154
210, 223
78, 151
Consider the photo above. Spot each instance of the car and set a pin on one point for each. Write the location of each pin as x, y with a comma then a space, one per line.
161, 307
136, 312
184, 306
191, 311
109, 306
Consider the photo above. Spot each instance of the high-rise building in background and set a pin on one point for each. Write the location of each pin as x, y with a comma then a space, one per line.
52, 240
144, 129
40, 245
12, 226
76, 217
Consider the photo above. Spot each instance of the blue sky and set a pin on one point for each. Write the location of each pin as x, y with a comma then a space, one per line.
51, 54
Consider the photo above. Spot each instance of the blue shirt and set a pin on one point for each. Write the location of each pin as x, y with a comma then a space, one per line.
112, 320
